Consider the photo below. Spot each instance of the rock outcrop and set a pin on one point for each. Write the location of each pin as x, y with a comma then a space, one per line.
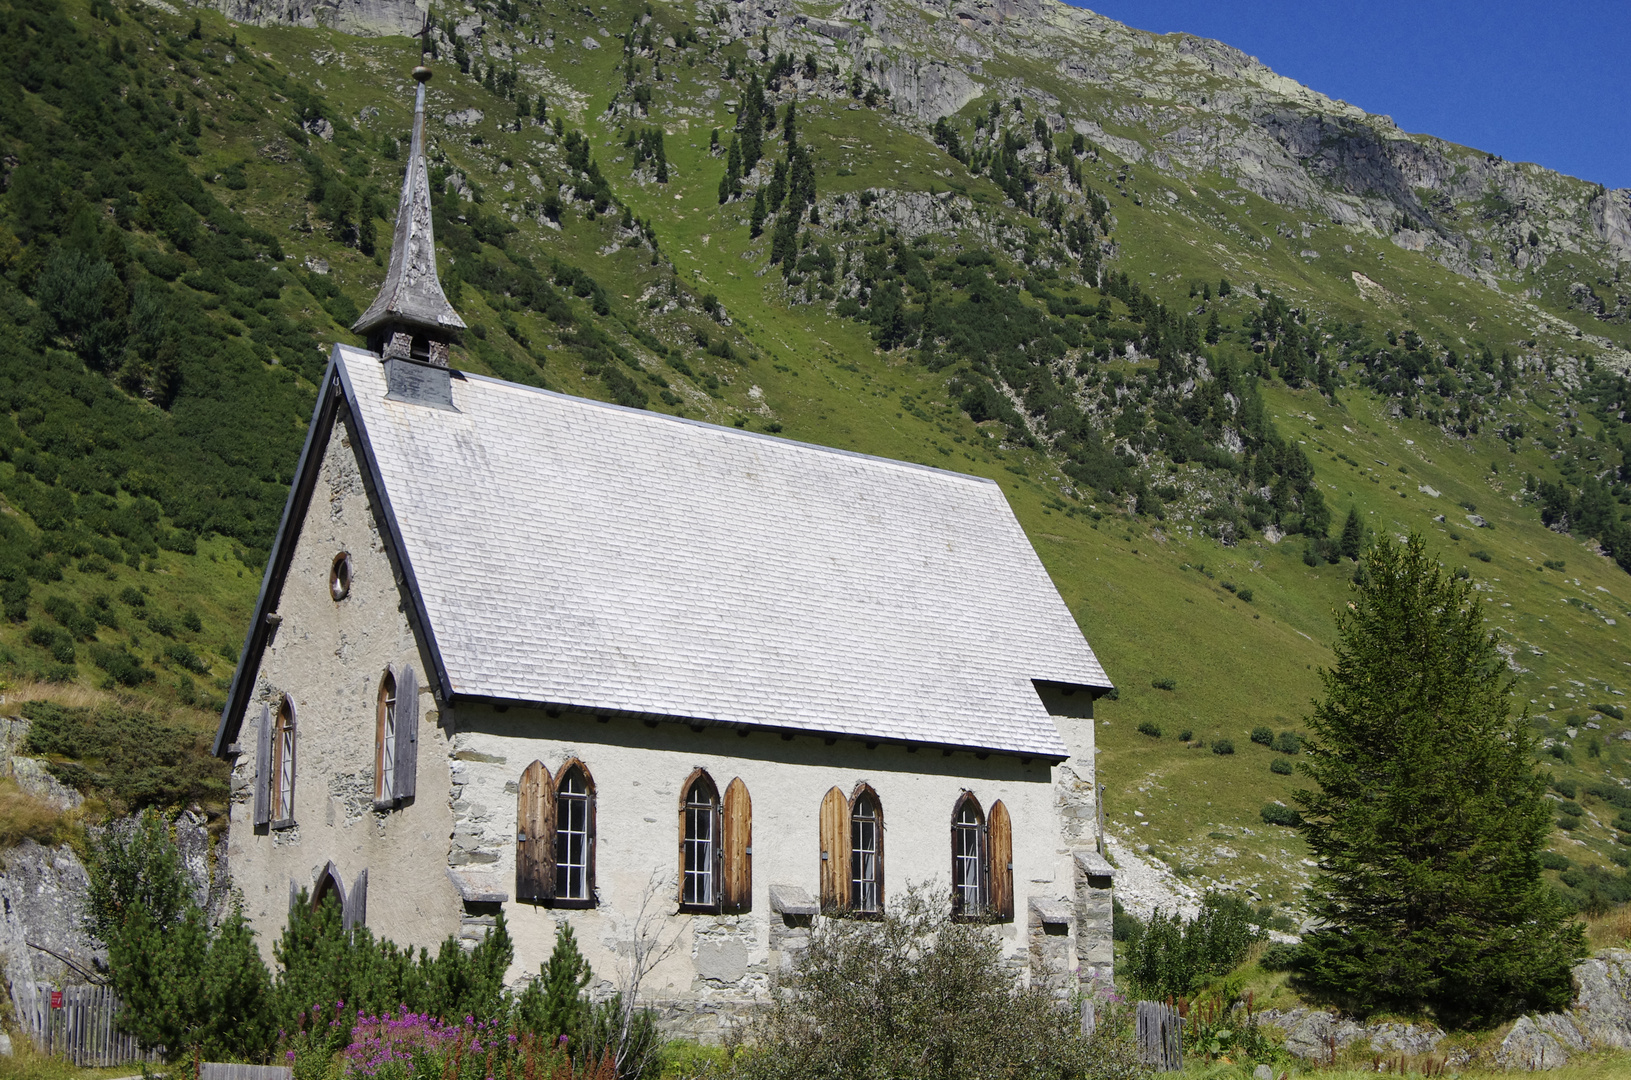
1599, 1019
367, 18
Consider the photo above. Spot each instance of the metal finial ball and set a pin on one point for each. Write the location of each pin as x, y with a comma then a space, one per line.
421, 74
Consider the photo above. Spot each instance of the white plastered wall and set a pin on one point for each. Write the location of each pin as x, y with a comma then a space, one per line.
638, 770
328, 657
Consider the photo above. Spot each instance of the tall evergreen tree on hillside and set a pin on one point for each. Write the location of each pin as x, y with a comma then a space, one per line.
1353, 535
1428, 817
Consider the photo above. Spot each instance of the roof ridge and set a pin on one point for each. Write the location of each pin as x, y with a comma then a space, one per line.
469, 376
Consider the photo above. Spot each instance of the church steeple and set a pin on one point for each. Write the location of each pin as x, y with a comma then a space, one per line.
411, 320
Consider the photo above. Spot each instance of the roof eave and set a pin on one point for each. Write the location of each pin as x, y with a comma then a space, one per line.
698, 722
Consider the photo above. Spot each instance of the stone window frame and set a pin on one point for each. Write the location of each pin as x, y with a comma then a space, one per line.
285, 758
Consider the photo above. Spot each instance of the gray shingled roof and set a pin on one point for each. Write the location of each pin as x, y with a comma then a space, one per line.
574, 552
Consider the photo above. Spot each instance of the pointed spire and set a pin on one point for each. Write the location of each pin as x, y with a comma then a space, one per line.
411, 317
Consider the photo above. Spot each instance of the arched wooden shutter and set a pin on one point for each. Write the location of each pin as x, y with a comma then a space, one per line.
356, 902
263, 769
535, 835
1001, 873
407, 733
736, 890
834, 851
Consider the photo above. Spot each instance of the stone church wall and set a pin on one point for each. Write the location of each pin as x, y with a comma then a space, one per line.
719, 962
329, 657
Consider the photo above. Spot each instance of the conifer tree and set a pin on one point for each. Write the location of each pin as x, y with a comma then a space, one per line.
1353, 532
1428, 816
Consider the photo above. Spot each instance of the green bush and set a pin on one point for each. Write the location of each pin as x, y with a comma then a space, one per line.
1223, 746
1187, 734
120, 665
1280, 957
1276, 814
1150, 728
183, 657
1173, 957
1571, 808
1262, 735
1481, 555
915, 996
1245, 594
128, 756
1565, 787
1280, 766
1164, 683
1610, 710
1288, 742
1551, 860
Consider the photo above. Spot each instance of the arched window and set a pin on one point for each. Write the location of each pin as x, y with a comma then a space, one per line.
385, 732
328, 885
865, 851
969, 886
574, 835
700, 851
555, 835
283, 762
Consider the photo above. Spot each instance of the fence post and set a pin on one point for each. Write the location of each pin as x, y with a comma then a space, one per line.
1160, 1037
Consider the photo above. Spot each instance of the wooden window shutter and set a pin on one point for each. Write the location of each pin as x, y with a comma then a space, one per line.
535, 835
263, 769
1000, 843
407, 733
834, 851
736, 892
356, 903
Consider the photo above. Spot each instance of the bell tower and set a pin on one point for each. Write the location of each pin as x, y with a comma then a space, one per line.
410, 324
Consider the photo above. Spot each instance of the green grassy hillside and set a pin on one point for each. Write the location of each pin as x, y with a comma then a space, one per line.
194, 209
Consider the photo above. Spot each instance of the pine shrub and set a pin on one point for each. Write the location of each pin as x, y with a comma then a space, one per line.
1262, 735
1150, 728
1280, 766
1223, 746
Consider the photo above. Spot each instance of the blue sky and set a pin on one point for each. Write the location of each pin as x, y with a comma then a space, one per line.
1542, 82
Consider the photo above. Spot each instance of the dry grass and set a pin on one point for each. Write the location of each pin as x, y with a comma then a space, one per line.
24, 816
1611, 930
14, 695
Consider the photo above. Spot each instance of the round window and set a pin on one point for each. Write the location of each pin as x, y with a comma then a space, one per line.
339, 577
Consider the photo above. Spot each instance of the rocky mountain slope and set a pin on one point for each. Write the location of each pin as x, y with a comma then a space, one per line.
1210, 330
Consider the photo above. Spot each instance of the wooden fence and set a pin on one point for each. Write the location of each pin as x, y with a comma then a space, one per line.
210, 1070
78, 1023
1160, 1036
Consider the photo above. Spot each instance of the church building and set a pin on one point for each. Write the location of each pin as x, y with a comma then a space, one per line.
670, 682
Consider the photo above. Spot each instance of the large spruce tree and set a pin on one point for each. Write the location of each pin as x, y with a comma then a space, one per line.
1428, 818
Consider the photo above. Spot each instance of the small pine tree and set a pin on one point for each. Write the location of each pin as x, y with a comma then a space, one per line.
554, 1004
1428, 817
756, 225
1353, 535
